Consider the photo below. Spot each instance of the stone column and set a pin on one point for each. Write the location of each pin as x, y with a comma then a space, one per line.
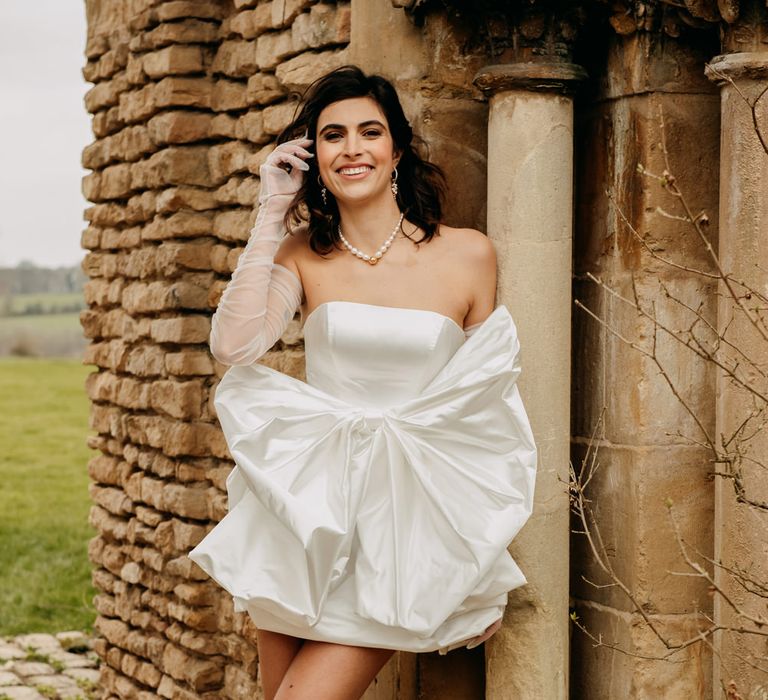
530, 201
741, 530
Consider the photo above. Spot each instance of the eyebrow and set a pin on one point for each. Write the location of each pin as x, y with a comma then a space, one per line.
361, 125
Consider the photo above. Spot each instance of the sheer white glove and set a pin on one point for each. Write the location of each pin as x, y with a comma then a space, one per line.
262, 296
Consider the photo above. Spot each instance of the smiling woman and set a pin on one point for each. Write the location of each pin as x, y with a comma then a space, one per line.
371, 507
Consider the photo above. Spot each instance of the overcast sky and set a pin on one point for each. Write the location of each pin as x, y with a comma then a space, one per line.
43, 130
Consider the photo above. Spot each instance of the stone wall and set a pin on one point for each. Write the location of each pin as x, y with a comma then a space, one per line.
187, 100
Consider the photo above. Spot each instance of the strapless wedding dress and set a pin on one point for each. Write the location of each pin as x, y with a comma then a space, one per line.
373, 504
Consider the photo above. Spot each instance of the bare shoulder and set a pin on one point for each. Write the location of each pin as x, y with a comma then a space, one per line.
471, 244
293, 248
296, 242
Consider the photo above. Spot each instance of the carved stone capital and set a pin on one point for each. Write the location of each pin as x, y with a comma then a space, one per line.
734, 66
540, 76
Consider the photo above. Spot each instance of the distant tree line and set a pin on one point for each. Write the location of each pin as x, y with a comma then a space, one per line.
31, 290
28, 278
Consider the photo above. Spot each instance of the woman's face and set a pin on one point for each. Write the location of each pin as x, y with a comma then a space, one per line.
355, 151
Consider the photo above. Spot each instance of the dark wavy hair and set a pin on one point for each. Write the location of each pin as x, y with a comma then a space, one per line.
421, 184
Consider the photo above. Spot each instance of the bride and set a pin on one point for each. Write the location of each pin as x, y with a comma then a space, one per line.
350, 213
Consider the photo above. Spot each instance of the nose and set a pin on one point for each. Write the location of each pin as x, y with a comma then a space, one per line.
352, 144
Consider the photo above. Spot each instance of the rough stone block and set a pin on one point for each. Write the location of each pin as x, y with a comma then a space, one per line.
264, 89
145, 361
188, 31
108, 470
141, 208
111, 499
107, 122
228, 95
228, 158
198, 9
176, 165
250, 127
223, 126
219, 263
190, 363
272, 48
299, 72
186, 329
250, 24
277, 117
179, 127
172, 199
181, 224
106, 65
323, 25
91, 238
284, 12
233, 225
174, 60
177, 399
138, 104
184, 92
174, 257
239, 190
188, 502
131, 143
177, 537
236, 59
115, 182
238, 683
196, 439
106, 94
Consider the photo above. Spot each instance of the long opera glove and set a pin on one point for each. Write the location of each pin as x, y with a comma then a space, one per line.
262, 296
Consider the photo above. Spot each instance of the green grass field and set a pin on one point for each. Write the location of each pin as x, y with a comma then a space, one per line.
44, 568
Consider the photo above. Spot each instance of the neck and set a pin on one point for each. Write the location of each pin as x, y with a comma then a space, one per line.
367, 224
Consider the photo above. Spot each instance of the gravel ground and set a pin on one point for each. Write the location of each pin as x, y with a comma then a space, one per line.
48, 667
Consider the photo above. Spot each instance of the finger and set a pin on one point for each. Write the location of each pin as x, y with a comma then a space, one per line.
297, 150
294, 161
298, 142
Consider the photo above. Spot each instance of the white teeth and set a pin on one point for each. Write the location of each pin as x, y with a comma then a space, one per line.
355, 171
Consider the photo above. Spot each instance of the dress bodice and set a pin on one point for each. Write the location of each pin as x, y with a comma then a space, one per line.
376, 356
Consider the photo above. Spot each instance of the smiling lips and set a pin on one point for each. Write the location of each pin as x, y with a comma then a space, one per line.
357, 170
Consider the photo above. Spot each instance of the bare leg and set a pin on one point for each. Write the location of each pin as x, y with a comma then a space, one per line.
326, 671
276, 652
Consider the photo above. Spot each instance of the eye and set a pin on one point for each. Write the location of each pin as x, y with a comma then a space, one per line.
372, 132
332, 136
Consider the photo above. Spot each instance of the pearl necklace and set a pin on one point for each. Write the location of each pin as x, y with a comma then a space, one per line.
372, 259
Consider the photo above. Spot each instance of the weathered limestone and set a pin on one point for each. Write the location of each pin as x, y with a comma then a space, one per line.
741, 530
643, 463
530, 199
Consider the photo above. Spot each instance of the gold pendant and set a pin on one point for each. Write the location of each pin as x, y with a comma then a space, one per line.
373, 261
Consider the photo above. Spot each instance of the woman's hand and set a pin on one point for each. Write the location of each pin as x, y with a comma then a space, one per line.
486, 635
283, 170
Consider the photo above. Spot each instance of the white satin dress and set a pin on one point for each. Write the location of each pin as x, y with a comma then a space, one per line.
373, 504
